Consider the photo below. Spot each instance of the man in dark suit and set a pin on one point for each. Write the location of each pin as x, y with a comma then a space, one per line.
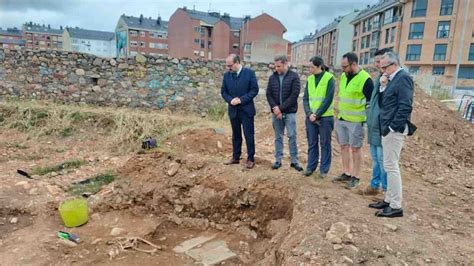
239, 87
396, 105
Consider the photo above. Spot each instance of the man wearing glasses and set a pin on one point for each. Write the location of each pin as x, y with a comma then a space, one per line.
355, 90
396, 105
239, 87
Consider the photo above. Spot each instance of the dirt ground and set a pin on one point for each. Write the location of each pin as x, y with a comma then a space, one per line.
269, 217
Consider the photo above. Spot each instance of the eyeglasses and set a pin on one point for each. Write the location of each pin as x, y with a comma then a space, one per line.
385, 67
344, 67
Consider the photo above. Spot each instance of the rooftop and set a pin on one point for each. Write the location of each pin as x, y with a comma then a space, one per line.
90, 34
30, 27
212, 18
145, 23
374, 9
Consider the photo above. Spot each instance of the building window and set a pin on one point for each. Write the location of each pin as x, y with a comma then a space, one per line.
375, 40
416, 30
235, 46
446, 8
247, 58
203, 31
236, 34
388, 16
392, 34
366, 60
142, 34
361, 57
248, 47
362, 43
414, 70
367, 42
356, 29
440, 52
209, 44
413, 52
142, 44
197, 29
387, 33
133, 33
203, 44
419, 8
354, 45
133, 43
471, 53
443, 29
438, 70
196, 41
466, 72
364, 26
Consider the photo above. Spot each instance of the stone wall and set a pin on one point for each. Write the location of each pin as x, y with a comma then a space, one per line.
147, 82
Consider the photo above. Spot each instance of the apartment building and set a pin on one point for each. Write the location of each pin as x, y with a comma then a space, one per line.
99, 43
11, 38
142, 35
42, 37
303, 50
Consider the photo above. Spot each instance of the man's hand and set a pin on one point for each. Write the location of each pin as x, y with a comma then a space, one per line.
276, 110
235, 101
383, 80
279, 116
312, 118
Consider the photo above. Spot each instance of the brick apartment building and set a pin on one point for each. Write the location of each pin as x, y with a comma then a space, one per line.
42, 37
211, 35
141, 35
426, 34
331, 42
303, 50
11, 38
377, 27
262, 38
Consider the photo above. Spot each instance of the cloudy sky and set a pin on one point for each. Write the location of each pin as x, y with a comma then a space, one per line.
300, 17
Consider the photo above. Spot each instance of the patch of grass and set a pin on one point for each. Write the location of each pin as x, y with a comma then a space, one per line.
93, 185
217, 111
19, 146
70, 164
67, 132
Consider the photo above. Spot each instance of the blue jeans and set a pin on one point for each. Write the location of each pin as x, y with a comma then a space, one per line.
319, 135
288, 121
379, 176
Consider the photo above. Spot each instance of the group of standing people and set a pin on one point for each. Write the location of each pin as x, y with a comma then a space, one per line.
384, 105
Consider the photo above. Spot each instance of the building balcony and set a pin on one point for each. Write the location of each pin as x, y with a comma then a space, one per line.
391, 20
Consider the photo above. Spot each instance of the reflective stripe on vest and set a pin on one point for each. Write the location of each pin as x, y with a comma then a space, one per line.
317, 94
351, 97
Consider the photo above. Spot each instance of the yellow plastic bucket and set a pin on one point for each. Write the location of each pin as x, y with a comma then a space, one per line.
74, 212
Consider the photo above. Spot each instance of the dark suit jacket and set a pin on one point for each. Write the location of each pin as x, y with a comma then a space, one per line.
245, 87
396, 103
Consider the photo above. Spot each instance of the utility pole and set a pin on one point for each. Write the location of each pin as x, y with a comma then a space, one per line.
461, 47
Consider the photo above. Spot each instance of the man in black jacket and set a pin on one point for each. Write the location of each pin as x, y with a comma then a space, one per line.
396, 103
282, 94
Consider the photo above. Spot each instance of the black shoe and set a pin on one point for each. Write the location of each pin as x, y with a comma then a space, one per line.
296, 166
342, 178
276, 165
353, 183
379, 205
390, 213
308, 172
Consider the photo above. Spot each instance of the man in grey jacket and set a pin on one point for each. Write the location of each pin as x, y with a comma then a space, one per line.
396, 106
379, 176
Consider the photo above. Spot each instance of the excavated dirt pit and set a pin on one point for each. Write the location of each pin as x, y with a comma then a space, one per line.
190, 197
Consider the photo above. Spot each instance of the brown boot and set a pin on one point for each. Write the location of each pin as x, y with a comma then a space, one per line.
368, 191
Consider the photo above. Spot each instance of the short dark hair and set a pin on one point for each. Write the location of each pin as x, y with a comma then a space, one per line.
236, 59
351, 58
382, 51
318, 61
282, 58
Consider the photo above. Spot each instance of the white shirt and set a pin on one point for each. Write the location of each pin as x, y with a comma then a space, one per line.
382, 88
240, 69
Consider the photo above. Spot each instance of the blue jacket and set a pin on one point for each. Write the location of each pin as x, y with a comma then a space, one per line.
245, 87
373, 116
397, 103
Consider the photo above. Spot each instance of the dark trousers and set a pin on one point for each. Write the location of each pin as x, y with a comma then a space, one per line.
245, 122
319, 135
